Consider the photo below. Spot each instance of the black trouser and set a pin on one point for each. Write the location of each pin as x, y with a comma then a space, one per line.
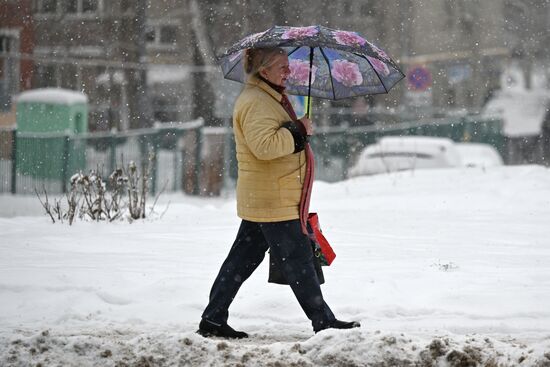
291, 251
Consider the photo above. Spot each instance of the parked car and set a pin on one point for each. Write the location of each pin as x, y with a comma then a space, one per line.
478, 155
397, 153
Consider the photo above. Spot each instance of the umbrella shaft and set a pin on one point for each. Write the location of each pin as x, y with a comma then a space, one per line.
308, 107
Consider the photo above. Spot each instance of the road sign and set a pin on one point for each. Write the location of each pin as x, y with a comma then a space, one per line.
419, 78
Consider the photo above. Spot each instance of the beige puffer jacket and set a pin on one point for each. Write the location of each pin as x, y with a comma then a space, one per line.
271, 175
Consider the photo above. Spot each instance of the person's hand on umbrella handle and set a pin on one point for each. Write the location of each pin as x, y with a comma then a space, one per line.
308, 125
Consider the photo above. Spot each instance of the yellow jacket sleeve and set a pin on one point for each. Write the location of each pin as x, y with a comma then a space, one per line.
263, 134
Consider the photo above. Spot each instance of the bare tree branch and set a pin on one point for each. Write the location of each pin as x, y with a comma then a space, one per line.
46, 204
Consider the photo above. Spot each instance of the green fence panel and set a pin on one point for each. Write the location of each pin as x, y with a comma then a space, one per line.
47, 160
336, 149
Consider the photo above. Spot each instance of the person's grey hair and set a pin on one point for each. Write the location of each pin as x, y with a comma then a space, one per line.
257, 59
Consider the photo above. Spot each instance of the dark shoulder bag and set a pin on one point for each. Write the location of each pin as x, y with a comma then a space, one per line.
321, 249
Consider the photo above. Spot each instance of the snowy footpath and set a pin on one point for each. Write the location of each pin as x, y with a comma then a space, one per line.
441, 267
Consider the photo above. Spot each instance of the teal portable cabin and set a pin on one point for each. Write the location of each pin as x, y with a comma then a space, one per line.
47, 121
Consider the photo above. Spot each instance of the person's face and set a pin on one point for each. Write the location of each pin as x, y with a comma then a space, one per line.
278, 72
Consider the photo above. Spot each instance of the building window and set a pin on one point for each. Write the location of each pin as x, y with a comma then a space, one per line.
347, 7
168, 35
165, 109
150, 34
367, 9
45, 6
158, 35
82, 6
71, 6
69, 76
5, 43
89, 6
46, 75
49, 6
9, 68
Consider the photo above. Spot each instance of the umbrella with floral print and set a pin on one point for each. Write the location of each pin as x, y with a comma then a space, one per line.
324, 62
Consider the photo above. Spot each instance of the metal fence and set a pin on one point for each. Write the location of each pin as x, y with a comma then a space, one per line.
30, 161
337, 148
195, 159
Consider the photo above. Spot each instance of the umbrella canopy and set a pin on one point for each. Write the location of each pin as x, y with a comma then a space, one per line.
325, 63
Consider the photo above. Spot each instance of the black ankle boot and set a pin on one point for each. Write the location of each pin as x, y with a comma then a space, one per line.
337, 324
208, 329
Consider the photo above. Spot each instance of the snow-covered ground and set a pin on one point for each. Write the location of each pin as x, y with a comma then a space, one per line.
442, 267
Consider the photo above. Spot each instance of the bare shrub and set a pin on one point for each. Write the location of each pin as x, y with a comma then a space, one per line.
90, 197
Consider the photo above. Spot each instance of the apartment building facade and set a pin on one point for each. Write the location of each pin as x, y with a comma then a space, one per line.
16, 38
453, 51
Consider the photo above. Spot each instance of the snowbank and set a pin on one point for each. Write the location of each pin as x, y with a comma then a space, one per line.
442, 267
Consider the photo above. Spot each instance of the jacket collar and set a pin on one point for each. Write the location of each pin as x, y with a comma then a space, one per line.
255, 81
277, 88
